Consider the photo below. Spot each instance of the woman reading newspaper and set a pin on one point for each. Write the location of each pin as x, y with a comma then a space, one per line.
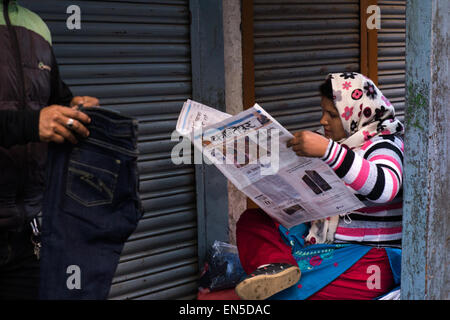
354, 256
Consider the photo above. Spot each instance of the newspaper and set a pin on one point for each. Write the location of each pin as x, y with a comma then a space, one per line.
250, 150
195, 116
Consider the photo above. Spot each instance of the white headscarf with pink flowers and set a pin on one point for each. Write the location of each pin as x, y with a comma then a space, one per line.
365, 112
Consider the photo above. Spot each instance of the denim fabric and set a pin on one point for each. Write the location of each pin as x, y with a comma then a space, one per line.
91, 206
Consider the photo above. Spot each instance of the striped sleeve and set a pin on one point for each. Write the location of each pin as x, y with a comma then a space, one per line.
375, 172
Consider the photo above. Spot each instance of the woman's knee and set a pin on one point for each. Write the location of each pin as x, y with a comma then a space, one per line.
249, 215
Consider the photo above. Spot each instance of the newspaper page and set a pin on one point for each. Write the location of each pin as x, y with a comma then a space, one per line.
250, 150
195, 115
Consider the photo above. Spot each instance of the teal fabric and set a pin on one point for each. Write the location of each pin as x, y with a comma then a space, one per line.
395, 260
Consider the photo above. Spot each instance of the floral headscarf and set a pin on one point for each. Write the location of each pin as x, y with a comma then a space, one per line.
365, 112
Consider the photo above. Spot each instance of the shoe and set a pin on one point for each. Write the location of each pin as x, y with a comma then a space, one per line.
267, 281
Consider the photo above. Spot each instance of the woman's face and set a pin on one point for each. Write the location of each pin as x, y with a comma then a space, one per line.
331, 121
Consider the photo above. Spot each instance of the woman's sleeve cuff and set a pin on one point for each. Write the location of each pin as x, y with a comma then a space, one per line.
327, 156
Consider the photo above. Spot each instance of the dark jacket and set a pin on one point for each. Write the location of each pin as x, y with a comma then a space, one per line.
29, 80
18, 127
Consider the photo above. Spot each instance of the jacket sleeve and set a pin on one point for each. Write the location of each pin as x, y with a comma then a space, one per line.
18, 127
60, 92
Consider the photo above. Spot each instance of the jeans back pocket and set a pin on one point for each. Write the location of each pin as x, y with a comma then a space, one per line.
91, 177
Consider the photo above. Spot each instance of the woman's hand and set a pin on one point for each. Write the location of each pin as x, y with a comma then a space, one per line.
308, 144
85, 101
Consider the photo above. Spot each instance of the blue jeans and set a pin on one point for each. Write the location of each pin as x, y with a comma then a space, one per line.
91, 206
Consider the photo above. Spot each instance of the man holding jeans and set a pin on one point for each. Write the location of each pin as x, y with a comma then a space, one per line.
31, 98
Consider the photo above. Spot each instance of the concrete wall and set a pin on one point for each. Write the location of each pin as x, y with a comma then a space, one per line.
233, 94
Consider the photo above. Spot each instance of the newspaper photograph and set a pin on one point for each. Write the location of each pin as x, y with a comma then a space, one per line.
250, 150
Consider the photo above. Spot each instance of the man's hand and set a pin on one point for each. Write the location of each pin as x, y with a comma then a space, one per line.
308, 144
55, 120
85, 101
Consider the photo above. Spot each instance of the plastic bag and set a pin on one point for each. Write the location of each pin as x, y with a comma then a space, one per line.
222, 270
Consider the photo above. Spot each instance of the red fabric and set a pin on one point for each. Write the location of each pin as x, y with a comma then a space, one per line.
259, 242
353, 283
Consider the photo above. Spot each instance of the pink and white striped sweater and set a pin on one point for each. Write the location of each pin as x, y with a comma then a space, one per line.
374, 173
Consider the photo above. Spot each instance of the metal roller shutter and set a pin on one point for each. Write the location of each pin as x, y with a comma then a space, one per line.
391, 53
296, 44
135, 56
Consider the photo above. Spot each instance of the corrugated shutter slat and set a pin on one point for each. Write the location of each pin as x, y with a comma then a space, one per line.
296, 44
391, 53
